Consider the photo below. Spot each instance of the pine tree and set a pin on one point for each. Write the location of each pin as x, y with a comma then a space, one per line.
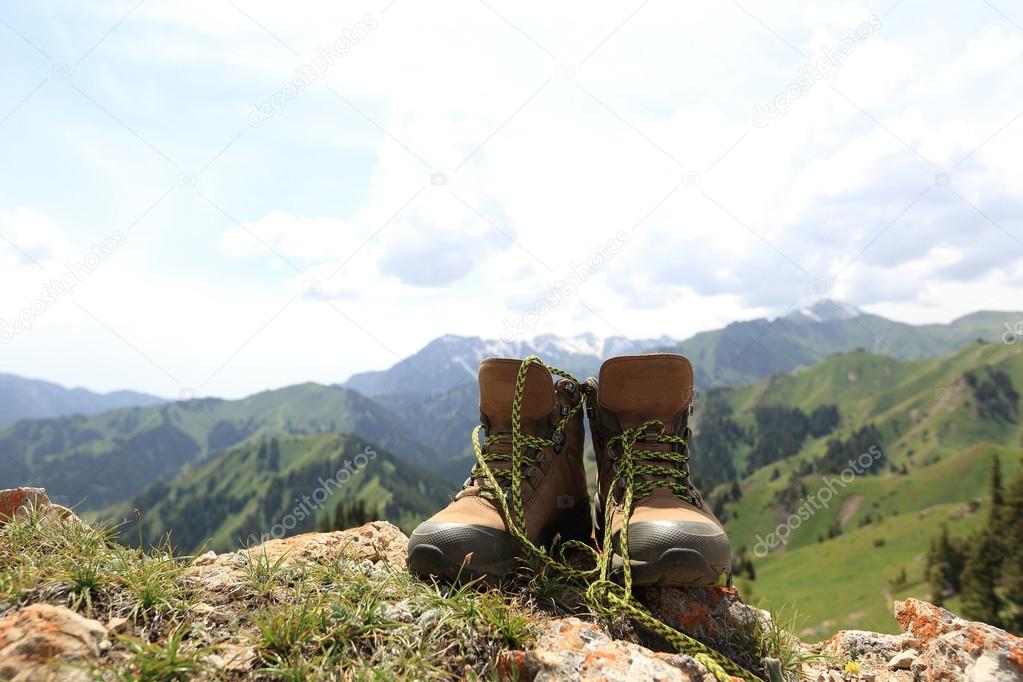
275, 455
349, 515
979, 578
944, 566
1012, 561
997, 491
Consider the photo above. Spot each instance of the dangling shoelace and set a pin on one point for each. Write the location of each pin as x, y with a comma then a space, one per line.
604, 596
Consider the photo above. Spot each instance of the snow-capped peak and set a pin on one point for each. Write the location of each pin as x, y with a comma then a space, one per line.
826, 310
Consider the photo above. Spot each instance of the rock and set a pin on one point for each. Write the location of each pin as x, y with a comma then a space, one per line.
954, 648
116, 626
858, 644
232, 657
377, 541
20, 500
572, 649
709, 614
213, 616
903, 660
43, 642
205, 559
221, 580
377, 545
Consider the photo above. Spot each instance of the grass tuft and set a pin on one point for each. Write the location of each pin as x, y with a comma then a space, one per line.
171, 661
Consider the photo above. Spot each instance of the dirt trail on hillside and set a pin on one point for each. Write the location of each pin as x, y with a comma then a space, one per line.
850, 506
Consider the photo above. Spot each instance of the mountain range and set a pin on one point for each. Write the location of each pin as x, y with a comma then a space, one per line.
745, 352
33, 399
740, 353
448, 362
98, 460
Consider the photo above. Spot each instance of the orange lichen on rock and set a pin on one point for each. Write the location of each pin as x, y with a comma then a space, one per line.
11, 502
1016, 656
924, 626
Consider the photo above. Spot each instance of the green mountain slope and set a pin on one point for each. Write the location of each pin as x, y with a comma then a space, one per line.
745, 352
850, 582
927, 432
280, 486
103, 459
444, 422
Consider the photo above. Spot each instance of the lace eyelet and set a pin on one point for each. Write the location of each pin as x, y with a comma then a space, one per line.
559, 441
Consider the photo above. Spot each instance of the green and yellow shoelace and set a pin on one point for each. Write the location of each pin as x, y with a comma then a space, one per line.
605, 597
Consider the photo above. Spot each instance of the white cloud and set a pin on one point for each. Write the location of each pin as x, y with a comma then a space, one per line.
32, 239
652, 129
996, 49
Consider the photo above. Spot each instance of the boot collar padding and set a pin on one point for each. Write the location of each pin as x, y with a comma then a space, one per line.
637, 388
497, 390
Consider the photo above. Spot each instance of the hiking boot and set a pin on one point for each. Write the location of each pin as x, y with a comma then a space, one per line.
639, 422
471, 538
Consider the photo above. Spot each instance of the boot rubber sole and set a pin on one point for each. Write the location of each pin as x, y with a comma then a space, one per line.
677, 567
672, 554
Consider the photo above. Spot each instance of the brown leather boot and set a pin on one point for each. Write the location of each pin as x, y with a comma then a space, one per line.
639, 421
470, 537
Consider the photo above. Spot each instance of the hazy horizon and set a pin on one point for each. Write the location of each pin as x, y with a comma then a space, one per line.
342, 380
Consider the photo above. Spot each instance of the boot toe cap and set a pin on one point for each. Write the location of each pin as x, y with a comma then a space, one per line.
650, 540
452, 550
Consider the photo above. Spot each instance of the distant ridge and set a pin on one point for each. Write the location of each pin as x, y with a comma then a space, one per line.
826, 310
740, 353
449, 361
746, 352
22, 398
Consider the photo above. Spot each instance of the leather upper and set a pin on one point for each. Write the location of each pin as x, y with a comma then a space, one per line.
632, 390
559, 479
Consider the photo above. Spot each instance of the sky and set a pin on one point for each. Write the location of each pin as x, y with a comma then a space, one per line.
216, 197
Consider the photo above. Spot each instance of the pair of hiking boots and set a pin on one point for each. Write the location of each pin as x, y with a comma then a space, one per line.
638, 411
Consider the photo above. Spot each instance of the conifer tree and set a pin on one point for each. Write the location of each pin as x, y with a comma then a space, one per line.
1012, 561
995, 521
275, 455
980, 578
997, 491
349, 515
944, 567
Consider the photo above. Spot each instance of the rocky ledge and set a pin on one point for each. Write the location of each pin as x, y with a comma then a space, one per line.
48, 641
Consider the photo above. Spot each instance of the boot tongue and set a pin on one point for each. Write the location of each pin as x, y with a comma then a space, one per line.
497, 391
638, 388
